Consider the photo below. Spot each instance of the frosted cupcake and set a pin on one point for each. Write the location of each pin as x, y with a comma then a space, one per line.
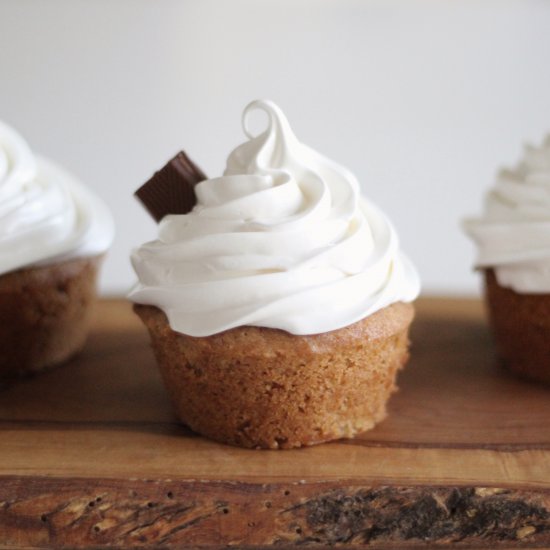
53, 233
513, 237
279, 306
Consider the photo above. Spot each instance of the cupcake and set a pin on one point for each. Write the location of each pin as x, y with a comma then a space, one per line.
513, 239
279, 303
53, 234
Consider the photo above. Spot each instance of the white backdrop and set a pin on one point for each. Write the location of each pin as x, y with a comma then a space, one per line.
422, 99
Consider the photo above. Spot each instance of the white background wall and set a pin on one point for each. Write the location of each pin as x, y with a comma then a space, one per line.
422, 99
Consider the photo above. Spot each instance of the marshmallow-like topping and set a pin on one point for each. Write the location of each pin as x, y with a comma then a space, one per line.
281, 240
513, 234
46, 215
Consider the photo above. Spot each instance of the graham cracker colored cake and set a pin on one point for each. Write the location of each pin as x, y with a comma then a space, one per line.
44, 314
521, 327
265, 388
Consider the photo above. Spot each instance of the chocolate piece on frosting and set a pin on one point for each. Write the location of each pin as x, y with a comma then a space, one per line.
171, 190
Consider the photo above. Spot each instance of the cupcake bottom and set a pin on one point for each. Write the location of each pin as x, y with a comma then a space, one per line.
44, 314
265, 388
521, 326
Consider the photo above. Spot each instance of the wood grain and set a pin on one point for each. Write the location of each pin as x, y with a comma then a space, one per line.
91, 456
125, 513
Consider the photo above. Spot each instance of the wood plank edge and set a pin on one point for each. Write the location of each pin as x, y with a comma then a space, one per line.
37, 512
62, 477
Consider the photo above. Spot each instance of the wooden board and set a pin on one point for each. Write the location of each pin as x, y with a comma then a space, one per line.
91, 455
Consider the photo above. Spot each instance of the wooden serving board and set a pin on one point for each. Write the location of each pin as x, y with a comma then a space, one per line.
91, 455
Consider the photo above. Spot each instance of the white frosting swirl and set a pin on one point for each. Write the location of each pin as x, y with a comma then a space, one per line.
281, 240
46, 215
513, 234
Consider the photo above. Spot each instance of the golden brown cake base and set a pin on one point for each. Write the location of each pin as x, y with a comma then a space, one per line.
265, 388
44, 314
521, 325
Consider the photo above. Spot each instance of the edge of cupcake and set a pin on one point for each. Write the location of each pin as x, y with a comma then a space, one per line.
55, 233
513, 240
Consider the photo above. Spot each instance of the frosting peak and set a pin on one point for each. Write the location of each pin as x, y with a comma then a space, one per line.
281, 240
46, 215
513, 234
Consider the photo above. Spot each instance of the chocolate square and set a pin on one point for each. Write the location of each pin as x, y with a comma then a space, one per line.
171, 190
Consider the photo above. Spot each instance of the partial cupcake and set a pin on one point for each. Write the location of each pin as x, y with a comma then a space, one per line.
513, 239
53, 234
277, 300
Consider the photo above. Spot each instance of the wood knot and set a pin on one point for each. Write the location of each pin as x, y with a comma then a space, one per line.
525, 531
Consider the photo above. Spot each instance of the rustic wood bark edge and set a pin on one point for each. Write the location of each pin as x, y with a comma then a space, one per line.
38, 512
